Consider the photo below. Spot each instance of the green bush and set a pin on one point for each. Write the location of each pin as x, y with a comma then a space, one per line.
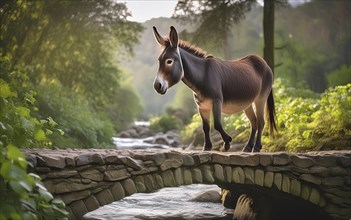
22, 194
82, 126
164, 123
341, 76
306, 121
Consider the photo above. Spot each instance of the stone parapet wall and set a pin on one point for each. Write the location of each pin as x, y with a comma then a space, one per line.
88, 179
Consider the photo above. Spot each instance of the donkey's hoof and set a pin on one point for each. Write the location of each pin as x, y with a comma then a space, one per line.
226, 146
255, 149
247, 149
206, 148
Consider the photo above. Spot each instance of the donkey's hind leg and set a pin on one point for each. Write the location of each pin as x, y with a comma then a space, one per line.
217, 112
205, 116
260, 105
250, 114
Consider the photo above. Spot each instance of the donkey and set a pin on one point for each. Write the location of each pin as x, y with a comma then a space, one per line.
218, 86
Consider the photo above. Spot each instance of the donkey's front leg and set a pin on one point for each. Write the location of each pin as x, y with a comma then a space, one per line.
205, 116
217, 113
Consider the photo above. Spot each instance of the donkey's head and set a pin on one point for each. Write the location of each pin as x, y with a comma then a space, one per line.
170, 69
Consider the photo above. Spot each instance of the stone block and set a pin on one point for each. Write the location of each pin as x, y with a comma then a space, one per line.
277, 181
178, 177
286, 184
238, 175
74, 196
245, 159
129, 187
104, 197
310, 178
149, 182
228, 174
207, 174
333, 181
140, 184
52, 161
115, 175
268, 179
266, 159
112, 159
70, 162
259, 177
305, 192
197, 176
78, 208
132, 163
89, 158
92, 174
301, 161
295, 187
188, 160
281, 159
171, 163
71, 214
220, 158
218, 172
62, 174
158, 181
91, 203
338, 171
344, 161
201, 158
168, 178
314, 196
249, 175
319, 171
69, 186
187, 177
117, 191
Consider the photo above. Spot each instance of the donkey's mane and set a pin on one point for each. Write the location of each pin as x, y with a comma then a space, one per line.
190, 48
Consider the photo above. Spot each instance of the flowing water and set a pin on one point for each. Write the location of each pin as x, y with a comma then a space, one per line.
165, 204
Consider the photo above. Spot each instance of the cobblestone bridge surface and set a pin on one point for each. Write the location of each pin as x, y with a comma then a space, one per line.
88, 179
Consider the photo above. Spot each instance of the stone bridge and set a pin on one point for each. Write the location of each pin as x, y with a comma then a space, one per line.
88, 179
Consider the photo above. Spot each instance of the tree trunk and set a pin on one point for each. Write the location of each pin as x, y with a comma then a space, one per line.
268, 32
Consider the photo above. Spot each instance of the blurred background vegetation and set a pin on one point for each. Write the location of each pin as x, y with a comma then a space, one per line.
75, 73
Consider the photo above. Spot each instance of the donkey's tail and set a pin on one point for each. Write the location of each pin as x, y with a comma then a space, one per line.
271, 117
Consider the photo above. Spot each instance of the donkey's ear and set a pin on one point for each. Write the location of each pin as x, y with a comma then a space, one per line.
173, 37
158, 37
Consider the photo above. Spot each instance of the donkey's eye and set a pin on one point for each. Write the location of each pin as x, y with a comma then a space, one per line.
169, 61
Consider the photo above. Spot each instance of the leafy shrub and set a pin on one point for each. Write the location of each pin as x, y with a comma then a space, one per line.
341, 76
306, 121
82, 126
164, 123
22, 195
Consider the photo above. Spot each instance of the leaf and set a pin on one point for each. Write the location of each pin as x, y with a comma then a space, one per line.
40, 135
11, 171
40, 186
23, 111
51, 122
13, 153
5, 90
25, 184
17, 187
46, 195
58, 202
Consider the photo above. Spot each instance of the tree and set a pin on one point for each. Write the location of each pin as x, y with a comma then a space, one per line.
73, 42
214, 17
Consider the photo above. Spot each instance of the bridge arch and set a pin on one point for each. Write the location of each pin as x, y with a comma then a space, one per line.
86, 180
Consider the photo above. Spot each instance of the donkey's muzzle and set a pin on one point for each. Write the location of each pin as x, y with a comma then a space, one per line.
160, 87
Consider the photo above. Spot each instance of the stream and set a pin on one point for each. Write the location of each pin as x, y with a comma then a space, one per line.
173, 203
